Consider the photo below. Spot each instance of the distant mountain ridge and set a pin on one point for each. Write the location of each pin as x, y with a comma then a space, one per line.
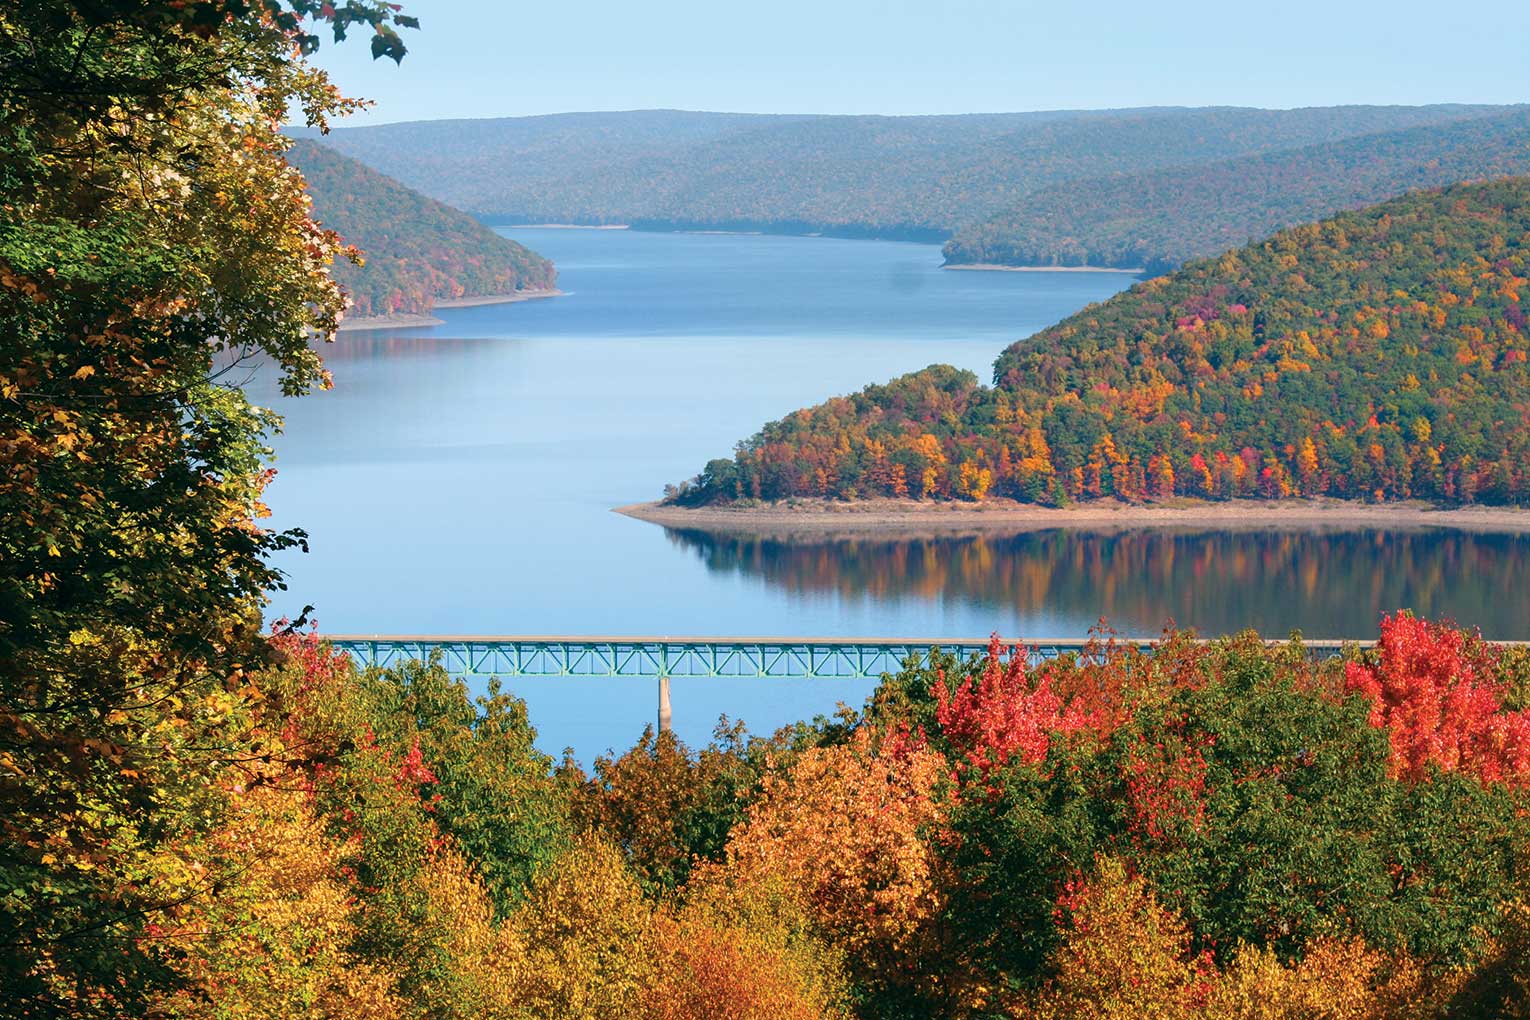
1381, 354
1163, 218
925, 177
417, 250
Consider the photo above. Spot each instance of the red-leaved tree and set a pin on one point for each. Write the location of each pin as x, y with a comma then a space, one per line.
1439, 693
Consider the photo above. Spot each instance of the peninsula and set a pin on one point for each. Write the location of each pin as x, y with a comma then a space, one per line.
1376, 357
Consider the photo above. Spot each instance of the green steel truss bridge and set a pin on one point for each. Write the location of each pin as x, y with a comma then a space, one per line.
656, 657
662, 658
665, 658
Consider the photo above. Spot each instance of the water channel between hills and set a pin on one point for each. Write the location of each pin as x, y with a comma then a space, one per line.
459, 480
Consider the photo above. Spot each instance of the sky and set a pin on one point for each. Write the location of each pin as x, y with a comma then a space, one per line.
496, 58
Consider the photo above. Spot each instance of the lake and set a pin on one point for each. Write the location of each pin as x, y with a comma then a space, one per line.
459, 480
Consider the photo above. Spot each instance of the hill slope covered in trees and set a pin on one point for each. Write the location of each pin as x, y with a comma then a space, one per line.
416, 249
1380, 354
914, 177
1163, 218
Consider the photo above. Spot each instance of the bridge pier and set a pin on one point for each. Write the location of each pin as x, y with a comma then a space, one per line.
665, 716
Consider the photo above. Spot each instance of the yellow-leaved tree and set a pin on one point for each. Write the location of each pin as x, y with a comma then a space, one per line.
1122, 957
274, 939
585, 936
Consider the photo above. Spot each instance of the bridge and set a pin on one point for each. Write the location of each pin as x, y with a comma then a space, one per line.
662, 658
651, 657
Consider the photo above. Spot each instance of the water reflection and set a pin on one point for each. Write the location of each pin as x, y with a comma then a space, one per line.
383, 344
1323, 583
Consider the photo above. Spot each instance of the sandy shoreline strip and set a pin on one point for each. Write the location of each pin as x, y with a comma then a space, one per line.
886, 517
994, 267
362, 323
499, 299
414, 320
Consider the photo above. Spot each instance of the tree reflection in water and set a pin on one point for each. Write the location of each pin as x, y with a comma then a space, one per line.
1325, 583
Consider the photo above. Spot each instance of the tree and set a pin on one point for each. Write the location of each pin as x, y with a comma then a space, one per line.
851, 829
742, 951
1252, 795
668, 808
587, 933
276, 941
493, 791
152, 237
1121, 956
1438, 693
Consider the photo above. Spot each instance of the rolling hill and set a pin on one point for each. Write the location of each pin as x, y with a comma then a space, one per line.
915, 177
417, 250
1160, 219
1377, 355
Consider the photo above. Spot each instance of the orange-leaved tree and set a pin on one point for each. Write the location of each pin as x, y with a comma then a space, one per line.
854, 829
745, 950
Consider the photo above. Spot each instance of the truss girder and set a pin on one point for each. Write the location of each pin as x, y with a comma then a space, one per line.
683, 658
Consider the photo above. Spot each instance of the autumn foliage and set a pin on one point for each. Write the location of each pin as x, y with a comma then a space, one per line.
1222, 831
1438, 693
1379, 355
853, 829
1010, 711
1207, 831
416, 249
1121, 954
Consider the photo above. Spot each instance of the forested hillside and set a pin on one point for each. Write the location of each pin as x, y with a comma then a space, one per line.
1377, 355
416, 249
1160, 219
922, 177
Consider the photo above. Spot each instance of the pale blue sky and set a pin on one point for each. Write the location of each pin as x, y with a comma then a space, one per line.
485, 58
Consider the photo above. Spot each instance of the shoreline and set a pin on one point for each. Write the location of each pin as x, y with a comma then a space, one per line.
537, 294
411, 320
887, 517
416, 320
995, 267
564, 226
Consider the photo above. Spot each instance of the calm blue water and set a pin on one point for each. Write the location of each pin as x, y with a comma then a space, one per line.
459, 479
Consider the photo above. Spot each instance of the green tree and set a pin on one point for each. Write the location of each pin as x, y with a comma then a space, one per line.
1254, 799
493, 790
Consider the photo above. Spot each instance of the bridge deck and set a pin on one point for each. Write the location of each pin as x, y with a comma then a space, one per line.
654, 656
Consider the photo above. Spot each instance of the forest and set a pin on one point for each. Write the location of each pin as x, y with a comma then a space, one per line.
916, 178
415, 250
1224, 830
1161, 219
1378, 355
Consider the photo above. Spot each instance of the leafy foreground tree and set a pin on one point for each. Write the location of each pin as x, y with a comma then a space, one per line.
1208, 831
152, 240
